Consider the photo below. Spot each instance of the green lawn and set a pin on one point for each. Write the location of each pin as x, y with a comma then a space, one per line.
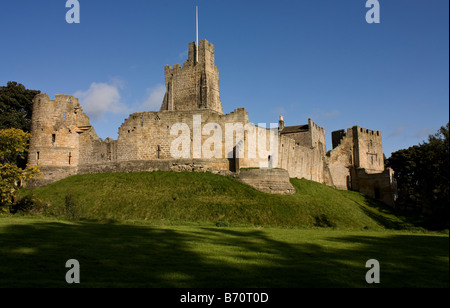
34, 250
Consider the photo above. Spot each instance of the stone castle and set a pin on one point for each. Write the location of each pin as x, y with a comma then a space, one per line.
64, 143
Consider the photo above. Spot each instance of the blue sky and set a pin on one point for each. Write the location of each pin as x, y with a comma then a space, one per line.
316, 59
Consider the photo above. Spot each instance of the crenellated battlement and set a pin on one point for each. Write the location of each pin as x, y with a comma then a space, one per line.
313, 125
361, 130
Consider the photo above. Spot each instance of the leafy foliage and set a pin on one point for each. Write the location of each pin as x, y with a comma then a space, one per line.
16, 106
13, 146
422, 173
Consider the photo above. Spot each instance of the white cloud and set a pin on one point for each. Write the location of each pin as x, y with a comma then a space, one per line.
102, 98
154, 98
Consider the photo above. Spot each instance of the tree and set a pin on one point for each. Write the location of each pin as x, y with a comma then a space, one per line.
422, 173
13, 145
16, 106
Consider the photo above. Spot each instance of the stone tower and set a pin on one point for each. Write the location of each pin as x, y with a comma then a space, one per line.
368, 150
57, 128
196, 84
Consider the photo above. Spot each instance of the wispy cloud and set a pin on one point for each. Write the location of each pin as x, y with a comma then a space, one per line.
132, 68
424, 132
279, 111
102, 98
398, 131
331, 114
154, 98
183, 55
319, 114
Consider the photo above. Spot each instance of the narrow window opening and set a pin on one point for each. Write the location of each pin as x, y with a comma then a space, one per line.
64, 115
158, 149
70, 157
37, 155
377, 193
53, 137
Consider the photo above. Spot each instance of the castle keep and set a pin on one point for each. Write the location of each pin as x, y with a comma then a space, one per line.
191, 133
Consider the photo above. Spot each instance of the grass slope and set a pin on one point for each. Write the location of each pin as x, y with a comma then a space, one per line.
169, 197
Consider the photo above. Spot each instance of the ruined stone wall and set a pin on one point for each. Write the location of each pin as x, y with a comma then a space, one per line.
94, 150
151, 135
380, 186
355, 150
62, 137
218, 166
191, 133
340, 161
52, 174
63, 143
59, 127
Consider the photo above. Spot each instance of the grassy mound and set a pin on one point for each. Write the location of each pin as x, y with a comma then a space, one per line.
170, 197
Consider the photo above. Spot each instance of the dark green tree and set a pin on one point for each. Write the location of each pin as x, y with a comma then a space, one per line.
16, 106
422, 173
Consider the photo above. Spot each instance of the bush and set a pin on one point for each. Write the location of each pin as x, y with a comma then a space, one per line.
71, 210
28, 204
222, 223
323, 222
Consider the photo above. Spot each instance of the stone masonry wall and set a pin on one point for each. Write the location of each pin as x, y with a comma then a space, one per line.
274, 181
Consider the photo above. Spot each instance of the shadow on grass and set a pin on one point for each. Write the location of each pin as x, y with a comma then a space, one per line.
114, 255
395, 219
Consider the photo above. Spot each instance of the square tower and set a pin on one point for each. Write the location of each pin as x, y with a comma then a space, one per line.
196, 84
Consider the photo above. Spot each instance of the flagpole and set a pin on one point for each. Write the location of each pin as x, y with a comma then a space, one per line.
196, 33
